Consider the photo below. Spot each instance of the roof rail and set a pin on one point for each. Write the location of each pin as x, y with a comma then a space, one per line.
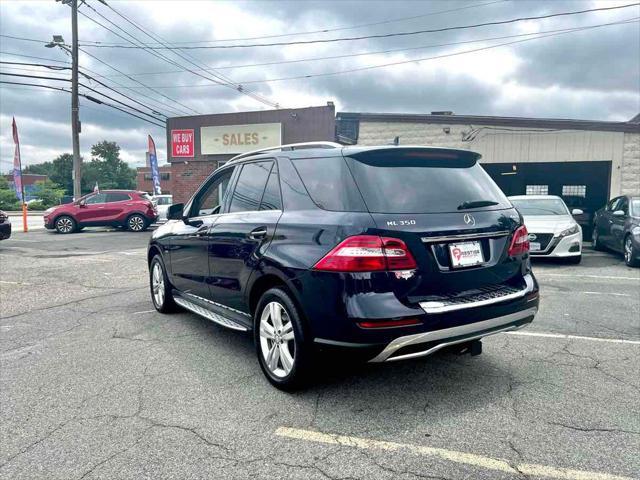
287, 147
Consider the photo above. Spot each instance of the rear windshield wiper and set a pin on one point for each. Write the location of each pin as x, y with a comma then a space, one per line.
476, 204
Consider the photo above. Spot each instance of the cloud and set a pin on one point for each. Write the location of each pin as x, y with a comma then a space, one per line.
593, 74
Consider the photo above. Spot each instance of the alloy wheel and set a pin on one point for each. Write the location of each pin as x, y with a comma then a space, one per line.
136, 223
627, 250
157, 284
64, 225
277, 340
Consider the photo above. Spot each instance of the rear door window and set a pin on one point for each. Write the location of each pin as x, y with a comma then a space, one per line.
117, 197
330, 184
424, 182
271, 197
250, 187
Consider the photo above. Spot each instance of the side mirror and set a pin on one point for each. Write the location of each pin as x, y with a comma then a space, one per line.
175, 211
82, 203
576, 211
618, 213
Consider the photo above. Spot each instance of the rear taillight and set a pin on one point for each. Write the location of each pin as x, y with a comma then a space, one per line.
367, 253
520, 242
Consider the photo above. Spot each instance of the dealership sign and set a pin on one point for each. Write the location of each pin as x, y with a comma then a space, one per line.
230, 139
182, 142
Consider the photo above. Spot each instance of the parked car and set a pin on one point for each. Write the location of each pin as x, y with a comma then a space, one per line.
553, 232
5, 226
386, 252
617, 227
162, 203
119, 208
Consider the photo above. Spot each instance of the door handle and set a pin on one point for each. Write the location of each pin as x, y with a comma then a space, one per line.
258, 233
202, 231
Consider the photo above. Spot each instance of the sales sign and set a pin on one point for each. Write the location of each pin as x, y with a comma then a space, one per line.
182, 142
233, 139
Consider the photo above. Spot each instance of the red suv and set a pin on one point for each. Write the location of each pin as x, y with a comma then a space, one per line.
118, 208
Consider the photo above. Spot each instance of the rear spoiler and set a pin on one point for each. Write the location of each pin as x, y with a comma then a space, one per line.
427, 156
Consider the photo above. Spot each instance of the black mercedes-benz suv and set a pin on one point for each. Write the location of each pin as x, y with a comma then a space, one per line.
386, 252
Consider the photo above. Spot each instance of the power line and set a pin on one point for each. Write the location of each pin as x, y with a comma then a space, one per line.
362, 54
154, 53
218, 80
175, 109
60, 89
89, 77
4, 52
42, 77
383, 35
96, 74
414, 60
336, 29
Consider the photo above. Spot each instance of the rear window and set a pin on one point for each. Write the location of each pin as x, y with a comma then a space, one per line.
540, 206
424, 182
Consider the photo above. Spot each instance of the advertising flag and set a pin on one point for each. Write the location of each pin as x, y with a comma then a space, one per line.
155, 171
17, 164
96, 188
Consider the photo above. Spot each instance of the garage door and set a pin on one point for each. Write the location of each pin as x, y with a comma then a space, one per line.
583, 185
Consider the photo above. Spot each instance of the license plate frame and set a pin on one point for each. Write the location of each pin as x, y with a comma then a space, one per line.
466, 254
535, 246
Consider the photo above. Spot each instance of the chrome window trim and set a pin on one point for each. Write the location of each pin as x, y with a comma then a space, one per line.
470, 331
442, 307
465, 236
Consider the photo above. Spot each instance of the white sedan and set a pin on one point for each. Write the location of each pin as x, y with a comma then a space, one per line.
553, 232
162, 202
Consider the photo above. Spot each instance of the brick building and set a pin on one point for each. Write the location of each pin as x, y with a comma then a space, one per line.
144, 180
197, 145
585, 162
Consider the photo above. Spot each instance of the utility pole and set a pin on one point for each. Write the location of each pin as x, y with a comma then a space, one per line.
75, 105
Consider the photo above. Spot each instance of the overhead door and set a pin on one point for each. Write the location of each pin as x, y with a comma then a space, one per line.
583, 185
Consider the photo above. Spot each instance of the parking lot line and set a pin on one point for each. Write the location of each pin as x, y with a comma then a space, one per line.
600, 277
573, 337
464, 458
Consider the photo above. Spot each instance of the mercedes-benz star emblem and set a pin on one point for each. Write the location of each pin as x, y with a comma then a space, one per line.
468, 219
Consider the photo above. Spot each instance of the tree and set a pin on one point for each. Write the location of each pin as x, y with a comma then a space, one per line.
61, 173
107, 168
8, 199
49, 193
58, 171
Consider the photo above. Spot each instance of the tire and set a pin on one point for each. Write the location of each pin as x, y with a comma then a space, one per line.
595, 240
630, 253
137, 223
574, 260
160, 287
65, 224
284, 350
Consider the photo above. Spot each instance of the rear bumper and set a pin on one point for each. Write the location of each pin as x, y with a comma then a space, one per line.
569, 246
440, 325
430, 342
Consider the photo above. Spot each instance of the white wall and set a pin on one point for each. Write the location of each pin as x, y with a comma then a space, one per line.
514, 144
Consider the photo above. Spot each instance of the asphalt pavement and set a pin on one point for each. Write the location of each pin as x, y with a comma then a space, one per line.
94, 383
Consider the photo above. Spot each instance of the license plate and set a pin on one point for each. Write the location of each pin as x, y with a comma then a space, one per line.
465, 254
534, 246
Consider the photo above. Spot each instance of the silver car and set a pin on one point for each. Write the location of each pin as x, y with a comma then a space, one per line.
553, 232
162, 202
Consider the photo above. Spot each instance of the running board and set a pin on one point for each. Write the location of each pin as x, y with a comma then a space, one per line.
209, 315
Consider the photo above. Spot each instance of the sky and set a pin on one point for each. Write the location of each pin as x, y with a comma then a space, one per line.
593, 73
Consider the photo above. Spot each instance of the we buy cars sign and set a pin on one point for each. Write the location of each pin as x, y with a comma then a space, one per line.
182, 143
